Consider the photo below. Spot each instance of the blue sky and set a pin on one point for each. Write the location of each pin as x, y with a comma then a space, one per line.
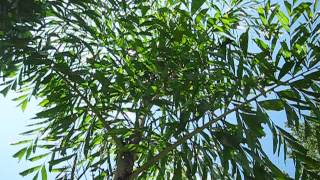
13, 122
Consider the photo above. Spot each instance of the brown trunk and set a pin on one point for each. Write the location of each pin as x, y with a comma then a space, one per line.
125, 162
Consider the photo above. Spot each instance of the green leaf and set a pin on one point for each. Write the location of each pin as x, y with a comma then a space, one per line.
307, 129
21, 142
37, 60
293, 142
57, 161
24, 104
87, 142
44, 173
244, 42
254, 123
35, 158
292, 117
58, 170
273, 13
262, 45
288, 6
315, 5
51, 112
275, 170
240, 68
29, 150
283, 20
44, 103
195, 5
272, 104
314, 75
31, 131
5, 90
306, 159
274, 139
285, 69
36, 176
290, 94
29, 171
119, 131
301, 83
20, 153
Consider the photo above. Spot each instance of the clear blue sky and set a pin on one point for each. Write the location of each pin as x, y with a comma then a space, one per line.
13, 122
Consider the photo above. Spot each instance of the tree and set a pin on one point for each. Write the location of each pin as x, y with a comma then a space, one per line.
148, 89
308, 136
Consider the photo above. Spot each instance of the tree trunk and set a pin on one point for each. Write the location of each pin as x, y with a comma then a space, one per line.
125, 162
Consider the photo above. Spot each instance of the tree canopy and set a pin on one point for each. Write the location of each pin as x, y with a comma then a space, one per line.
167, 89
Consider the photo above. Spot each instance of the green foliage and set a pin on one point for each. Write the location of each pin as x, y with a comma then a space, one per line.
151, 84
308, 136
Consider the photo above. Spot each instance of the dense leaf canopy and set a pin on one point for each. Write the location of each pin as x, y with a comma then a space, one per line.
167, 89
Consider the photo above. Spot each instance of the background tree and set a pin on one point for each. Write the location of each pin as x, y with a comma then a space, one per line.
308, 136
148, 89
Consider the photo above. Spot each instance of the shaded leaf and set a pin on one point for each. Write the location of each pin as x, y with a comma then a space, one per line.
272, 104
195, 5
244, 42
285, 69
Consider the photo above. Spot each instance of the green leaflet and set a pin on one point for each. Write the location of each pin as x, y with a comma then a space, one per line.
262, 45
285, 69
36, 176
24, 104
35, 158
20, 153
302, 83
5, 90
87, 141
244, 42
21, 142
58, 161
314, 75
29, 171
44, 173
272, 104
288, 6
283, 20
292, 118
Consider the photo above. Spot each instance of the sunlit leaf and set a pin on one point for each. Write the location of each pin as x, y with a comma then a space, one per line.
20, 153
29, 171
